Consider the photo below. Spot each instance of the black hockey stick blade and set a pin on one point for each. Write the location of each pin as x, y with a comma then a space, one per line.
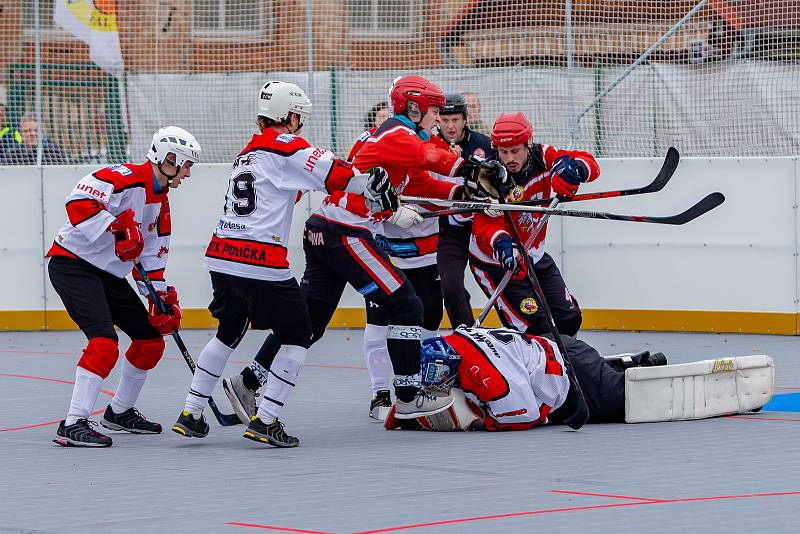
671, 161
706, 204
224, 419
668, 168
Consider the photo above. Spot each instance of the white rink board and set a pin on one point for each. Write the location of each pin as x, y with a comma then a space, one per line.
740, 257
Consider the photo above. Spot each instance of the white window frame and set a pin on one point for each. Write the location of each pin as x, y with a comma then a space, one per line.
377, 33
223, 34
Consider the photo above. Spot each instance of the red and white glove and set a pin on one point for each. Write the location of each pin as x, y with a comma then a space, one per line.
128, 240
168, 321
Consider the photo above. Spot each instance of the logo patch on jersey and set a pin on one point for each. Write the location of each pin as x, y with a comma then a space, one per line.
284, 138
479, 152
151, 227
516, 194
311, 162
528, 306
366, 290
276, 238
521, 411
162, 251
364, 136
122, 169
89, 190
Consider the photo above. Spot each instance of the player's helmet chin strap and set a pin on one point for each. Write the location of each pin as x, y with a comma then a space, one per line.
177, 171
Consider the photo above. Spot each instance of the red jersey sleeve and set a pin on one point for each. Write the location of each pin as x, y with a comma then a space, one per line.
421, 183
487, 230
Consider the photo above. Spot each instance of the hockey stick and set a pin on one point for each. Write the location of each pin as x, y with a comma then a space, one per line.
706, 204
224, 419
662, 178
507, 277
577, 420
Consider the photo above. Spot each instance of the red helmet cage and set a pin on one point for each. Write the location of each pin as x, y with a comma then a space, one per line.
511, 129
415, 89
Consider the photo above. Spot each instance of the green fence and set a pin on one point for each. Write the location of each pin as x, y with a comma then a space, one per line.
81, 109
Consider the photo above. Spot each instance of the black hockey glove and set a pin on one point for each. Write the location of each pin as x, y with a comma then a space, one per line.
379, 193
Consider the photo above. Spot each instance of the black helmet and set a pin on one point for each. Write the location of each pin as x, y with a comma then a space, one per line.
454, 104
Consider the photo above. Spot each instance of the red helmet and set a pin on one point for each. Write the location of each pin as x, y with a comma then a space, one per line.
415, 89
511, 129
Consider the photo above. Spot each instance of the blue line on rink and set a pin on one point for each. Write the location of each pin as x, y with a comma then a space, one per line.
785, 402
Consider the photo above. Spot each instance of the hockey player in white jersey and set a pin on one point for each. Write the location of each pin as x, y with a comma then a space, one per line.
499, 379
247, 259
118, 215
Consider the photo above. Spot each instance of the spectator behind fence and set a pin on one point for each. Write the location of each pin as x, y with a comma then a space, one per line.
8, 136
474, 120
376, 115
24, 153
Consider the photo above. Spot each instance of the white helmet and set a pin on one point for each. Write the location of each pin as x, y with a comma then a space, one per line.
278, 99
171, 139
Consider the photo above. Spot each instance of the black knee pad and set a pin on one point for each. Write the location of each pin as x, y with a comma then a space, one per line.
433, 310
376, 314
320, 313
231, 334
404, 307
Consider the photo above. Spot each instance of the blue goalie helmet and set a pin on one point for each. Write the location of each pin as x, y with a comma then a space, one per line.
439, 362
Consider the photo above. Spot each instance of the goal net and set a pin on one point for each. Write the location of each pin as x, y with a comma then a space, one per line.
622, 78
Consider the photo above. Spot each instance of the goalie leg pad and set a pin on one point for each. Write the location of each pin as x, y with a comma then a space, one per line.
698, 390
144, 354
463, 415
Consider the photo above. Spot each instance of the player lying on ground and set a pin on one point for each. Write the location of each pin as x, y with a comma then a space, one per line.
117, 215
499, 379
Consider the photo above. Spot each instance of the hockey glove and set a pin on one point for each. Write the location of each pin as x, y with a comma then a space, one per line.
506, 253
566, 175
169, 320
405, 217
128, 240
379, 193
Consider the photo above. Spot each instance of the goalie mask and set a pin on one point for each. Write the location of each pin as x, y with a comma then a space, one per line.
439, 363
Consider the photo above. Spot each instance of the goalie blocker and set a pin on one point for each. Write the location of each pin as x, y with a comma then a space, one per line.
516, 382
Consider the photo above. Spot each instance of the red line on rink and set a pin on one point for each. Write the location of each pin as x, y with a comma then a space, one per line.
641, 501
105, 391
317, 365
281, 529
606, 495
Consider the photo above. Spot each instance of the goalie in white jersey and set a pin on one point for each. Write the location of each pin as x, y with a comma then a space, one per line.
247, 257
499, 379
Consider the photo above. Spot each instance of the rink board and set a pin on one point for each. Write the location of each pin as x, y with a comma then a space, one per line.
349, 475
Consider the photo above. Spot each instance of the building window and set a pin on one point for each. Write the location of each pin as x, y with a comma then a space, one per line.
230, 18
382, 19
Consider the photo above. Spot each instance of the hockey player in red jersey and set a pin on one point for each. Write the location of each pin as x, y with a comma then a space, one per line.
249, 267
536, 171
118, 215
339, 243
500, 379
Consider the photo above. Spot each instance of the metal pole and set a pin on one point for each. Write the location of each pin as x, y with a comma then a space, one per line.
641, 59
310, 45
571, 75
38, 90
